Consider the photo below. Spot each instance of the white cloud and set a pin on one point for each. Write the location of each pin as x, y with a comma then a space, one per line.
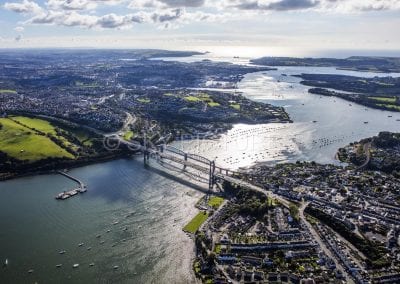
71, 4
19, 29
174, 13
24, 7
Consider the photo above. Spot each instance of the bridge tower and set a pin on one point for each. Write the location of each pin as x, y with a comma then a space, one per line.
146, 154
211, 178
185, 158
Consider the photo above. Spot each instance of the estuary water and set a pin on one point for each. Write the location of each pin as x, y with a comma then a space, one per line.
130, 217
130, 221
321, 124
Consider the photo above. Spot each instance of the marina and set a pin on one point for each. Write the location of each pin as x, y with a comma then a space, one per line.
67, 194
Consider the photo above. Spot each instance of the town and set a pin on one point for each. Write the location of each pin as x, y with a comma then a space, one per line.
309, 223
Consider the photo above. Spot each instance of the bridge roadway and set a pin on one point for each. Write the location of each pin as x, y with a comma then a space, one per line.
220, 175
186, 163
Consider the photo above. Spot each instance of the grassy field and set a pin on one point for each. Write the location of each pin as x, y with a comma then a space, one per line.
42, 126
395, 107
24, 144
144, 100
193, 99
213, 104
384, 99
215, 201
196, 222
217, 249
4, 91
203, 97
235, 106
38, 124
128, 135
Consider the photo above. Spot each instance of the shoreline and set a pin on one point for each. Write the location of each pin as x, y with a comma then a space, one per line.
61, 166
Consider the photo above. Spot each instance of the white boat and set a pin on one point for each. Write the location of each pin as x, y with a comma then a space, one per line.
6, 262
58, 265
76, 265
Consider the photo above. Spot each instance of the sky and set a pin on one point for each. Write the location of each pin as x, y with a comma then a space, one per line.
229, 27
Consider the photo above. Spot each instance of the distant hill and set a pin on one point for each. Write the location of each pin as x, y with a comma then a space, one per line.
358, 63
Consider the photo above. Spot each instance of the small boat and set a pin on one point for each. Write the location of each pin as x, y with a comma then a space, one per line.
76, 265
91, 264
389, 116
5, 263
108, 230
116, 222
30, 271
58, 265
62, 251
314, 121
81, 244
89, 248
102, 242
365, 122
115, 267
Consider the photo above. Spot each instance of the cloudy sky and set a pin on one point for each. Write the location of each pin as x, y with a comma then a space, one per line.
245, 27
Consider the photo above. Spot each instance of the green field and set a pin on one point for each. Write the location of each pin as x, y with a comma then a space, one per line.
192, 99
25, 144
196, 222
384, 99
213, 104
128, 135
215, 202
38, 124
203, 97
42, 126
4, 91
389, 106
144, 100
235, 106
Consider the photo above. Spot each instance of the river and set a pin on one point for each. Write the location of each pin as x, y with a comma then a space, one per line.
145, 211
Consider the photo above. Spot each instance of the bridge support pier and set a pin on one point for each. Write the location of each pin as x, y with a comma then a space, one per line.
185, 156
146, 155
211, 178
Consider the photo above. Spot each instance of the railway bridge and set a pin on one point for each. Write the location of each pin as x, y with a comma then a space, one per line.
189, 162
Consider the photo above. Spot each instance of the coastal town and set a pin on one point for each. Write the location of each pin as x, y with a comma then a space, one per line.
308, 223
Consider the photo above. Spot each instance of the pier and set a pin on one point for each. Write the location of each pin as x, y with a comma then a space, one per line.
67, 194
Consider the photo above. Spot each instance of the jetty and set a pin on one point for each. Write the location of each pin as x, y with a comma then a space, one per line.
67, 194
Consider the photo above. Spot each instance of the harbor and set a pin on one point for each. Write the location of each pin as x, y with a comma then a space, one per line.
67, 194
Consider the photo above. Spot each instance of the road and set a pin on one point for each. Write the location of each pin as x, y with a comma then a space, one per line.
366, 148
321, 243
129, 120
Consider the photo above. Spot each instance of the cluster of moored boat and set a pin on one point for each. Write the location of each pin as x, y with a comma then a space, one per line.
76, 265
67, 194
